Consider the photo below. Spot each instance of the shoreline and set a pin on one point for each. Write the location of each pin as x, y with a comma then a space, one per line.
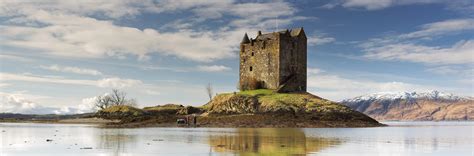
207, 122
97, 121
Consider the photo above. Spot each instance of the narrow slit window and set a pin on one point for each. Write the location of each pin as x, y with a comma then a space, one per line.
252, 53
250, 68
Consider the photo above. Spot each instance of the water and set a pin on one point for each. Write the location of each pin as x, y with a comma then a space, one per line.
400, 138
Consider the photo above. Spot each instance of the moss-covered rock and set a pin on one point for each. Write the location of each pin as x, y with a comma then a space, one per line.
232, 104
167, 108
173, 109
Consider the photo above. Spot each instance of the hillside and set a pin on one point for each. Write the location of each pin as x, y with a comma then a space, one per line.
409, 106
265, 108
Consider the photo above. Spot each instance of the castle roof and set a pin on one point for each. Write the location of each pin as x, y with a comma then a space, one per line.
293, 33
245, 39
265, 36
296, 31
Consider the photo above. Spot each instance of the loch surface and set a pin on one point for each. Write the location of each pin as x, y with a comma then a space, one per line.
399, 138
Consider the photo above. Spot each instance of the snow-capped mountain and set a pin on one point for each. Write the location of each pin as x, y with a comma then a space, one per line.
430, 95
431, 105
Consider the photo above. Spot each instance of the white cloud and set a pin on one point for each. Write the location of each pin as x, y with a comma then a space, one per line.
463, 74
406, 47
42, 79
459, 5
25, 104
113, 82
84, 37
335, 87
69, 69
319, 40
106, 8
118, 83
15, 58
213, 68
368, 4
66, 28
462, 71
460, 53
16, 104
312, 71
87, 105
442, 27
152, 92
4, 85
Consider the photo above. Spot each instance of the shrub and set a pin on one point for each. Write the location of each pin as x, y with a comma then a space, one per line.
120, 112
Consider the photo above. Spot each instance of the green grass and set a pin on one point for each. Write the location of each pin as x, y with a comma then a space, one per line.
272, 101
165, 107
258, 92
123, 109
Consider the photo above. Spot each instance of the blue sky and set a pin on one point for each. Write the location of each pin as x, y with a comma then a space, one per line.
57, 56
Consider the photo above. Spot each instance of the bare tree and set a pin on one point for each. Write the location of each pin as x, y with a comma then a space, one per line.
116, 98
209, 90
103, 102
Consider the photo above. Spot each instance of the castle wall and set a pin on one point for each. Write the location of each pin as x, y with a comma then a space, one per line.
264, 63
293, 62
275, 60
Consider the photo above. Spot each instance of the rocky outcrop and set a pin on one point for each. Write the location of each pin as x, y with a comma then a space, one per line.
173, 109
295, 107
233, 104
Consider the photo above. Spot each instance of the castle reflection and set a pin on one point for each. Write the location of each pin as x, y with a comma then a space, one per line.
269, 141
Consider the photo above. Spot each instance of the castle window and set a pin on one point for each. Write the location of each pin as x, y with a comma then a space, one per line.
250, 68
252, 54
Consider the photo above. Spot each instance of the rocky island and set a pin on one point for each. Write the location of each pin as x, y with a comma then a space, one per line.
255, 108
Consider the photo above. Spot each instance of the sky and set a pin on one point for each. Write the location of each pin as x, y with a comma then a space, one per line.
57, 56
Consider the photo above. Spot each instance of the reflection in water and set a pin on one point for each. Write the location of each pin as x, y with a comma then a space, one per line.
437, 138
116, 140
269, 141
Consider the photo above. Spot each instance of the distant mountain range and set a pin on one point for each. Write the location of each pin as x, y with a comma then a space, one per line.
432, 105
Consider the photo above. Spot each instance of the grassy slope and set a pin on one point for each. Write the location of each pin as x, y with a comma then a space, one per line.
263, 108
271, 101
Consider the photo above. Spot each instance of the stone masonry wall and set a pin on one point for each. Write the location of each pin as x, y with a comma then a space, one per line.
276, 60
262, 57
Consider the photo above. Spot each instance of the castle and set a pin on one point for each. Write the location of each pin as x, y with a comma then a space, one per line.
274, 60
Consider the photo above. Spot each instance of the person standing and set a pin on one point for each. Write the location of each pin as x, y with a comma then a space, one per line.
194, 119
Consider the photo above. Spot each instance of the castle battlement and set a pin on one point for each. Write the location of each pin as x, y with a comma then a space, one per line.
275, 60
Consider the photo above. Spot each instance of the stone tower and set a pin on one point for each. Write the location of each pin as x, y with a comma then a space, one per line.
274, 60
